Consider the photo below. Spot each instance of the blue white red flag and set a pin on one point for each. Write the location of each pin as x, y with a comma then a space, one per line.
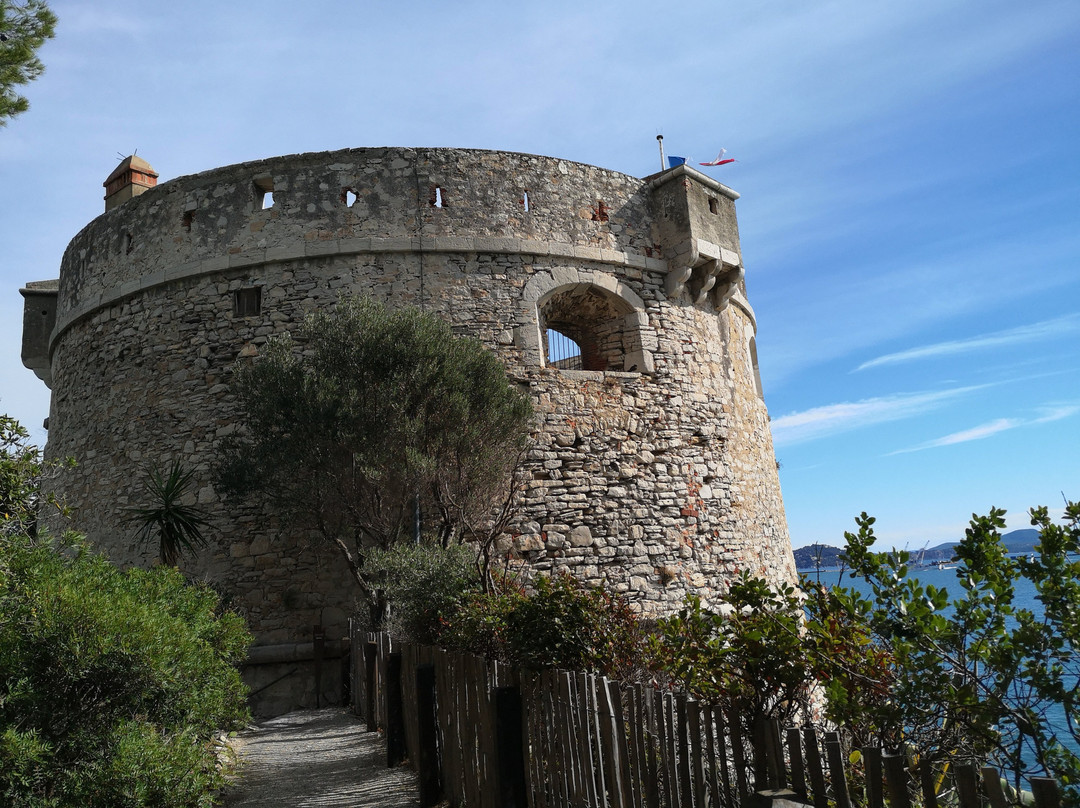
719, 161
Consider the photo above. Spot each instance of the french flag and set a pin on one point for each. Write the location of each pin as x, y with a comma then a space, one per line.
719, 161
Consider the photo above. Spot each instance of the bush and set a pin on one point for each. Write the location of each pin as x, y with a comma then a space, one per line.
746, 655
558, 625
423, 585
973, 673
113, 685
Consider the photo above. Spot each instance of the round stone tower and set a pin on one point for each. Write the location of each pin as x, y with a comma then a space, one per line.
618, 302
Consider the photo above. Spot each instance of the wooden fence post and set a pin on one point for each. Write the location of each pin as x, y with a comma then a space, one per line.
318, 651
798, 768
896, 780
967, 785
926, 781
991, 779
872, 767
395, 720
371, 651
835, 755
1046, 792
759, 743
427, 751
816, 771
510, 748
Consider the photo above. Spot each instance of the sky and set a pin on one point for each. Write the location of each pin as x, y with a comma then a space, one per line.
909, 172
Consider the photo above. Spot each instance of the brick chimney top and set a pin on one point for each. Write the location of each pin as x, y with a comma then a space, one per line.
132, 177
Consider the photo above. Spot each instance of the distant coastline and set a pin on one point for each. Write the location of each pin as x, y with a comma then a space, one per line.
825, 556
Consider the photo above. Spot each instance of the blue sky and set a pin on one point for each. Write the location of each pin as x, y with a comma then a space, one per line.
910, 180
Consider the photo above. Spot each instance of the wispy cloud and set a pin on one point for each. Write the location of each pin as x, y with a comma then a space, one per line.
832, 419
1046, 329
975, 433
1054, 413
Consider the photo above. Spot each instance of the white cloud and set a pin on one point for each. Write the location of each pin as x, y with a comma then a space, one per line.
1047, 329
831, 419
975, 433
1053, 413
1056, 413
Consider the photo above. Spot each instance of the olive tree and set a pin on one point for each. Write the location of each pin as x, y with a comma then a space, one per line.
369, 415
24, 27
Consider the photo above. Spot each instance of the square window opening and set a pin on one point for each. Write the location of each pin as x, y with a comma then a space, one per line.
247, 302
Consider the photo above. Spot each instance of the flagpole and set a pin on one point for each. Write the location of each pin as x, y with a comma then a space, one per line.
660, 140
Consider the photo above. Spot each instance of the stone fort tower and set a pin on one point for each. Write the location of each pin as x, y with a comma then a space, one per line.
653, 467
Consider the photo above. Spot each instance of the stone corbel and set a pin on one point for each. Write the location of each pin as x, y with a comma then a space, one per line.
681, 267
702, 280
704, 269
728, 286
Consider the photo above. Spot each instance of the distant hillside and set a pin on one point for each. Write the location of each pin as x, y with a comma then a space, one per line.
817, 555
825, 555
1016, 541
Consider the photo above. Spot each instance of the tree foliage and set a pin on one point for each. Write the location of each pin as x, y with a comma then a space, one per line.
369, 412
113, 685
24, 27
909, 667
424, 585
22, 471
558, 623
746, 654
971, 675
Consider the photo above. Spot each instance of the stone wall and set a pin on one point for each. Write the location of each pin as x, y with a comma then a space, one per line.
655, 474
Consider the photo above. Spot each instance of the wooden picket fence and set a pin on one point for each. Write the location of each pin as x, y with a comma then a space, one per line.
482, 735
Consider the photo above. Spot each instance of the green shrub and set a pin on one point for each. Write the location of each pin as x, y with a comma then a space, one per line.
423, 585
560, 624
113, 684
747, 655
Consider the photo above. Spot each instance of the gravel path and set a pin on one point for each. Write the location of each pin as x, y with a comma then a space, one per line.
317, 757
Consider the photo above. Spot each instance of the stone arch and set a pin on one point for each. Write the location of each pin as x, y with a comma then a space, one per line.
596, 311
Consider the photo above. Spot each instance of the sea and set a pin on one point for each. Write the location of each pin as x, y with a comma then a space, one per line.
947, 578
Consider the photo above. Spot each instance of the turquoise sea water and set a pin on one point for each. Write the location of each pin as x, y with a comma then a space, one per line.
946, 578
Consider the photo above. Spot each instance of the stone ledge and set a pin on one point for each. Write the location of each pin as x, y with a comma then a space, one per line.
358, 246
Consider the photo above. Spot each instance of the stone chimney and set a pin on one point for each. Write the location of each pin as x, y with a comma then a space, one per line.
132, 177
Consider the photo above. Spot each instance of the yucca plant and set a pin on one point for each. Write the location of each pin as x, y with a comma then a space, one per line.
177, 527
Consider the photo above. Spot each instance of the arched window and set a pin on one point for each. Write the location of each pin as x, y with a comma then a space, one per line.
585, 327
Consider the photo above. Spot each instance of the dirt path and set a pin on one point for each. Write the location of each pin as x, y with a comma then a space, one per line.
317, 758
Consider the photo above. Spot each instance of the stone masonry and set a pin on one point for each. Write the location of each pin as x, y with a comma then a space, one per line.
652, 468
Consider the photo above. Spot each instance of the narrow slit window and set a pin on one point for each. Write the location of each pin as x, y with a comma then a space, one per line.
129, 243
562, 352
189, 217
348, 196
436, 197
264, 193
757, 370
247, 302
525, 201
714, 205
